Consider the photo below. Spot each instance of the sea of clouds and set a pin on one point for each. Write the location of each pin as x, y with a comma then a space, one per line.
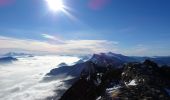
23, 79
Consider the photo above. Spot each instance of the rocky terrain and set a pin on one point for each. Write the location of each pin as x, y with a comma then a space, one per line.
102, 62
110, 76
133, 81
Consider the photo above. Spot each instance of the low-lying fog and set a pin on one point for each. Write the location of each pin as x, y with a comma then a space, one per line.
22, 79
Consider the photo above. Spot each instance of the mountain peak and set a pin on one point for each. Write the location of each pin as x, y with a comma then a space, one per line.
134, 81
14, 54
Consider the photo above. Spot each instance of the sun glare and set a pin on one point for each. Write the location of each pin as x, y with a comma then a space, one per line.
59, 6
55, 5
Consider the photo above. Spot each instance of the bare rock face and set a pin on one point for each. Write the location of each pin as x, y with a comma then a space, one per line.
133, 81
143, 73
143, 81
139, 92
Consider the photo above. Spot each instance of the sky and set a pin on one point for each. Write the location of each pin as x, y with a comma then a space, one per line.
130, 27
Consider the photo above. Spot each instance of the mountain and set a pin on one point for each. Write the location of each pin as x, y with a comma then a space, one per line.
101, 75
161, 60
62, 64
119, 59
74, 70
134, 81
112, 59
164, 60
97, 63
13, 54
101, 62
7, 59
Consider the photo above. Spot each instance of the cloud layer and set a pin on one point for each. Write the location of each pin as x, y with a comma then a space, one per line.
56, 45
53, 46
23, 79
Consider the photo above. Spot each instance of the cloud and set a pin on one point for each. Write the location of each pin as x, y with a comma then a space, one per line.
49, 36
67, 47
78, 47
22, 80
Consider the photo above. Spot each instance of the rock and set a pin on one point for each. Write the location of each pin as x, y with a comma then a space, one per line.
135, 81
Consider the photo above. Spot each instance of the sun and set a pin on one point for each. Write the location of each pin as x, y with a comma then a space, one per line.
59, 6
55, 5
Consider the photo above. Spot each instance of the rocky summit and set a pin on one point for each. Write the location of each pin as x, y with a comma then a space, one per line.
132, 81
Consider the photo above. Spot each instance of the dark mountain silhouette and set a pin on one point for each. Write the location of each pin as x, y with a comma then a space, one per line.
150, 82
13, 54
7, 59
104, 60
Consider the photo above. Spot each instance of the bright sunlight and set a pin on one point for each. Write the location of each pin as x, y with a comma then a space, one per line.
55, 5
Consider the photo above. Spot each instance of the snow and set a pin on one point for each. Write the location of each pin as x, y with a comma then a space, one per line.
113, 89
123, 73
131, 83
99, 98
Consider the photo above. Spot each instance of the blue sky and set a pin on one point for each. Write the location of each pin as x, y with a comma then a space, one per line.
131, 27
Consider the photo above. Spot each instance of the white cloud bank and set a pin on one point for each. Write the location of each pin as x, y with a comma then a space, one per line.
66, 47
57, 45
22, 80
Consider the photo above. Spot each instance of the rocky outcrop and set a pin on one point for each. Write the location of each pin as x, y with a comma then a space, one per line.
141, 73
134, 81
148, 82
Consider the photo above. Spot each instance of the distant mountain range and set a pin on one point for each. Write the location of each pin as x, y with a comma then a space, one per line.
104, 60
13, 54
119, 59
7, 59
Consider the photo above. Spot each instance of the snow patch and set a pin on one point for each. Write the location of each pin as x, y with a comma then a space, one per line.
131, 83
110, 91
99, 98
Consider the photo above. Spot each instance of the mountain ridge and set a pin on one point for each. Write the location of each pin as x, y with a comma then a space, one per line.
106, 69
135, 81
